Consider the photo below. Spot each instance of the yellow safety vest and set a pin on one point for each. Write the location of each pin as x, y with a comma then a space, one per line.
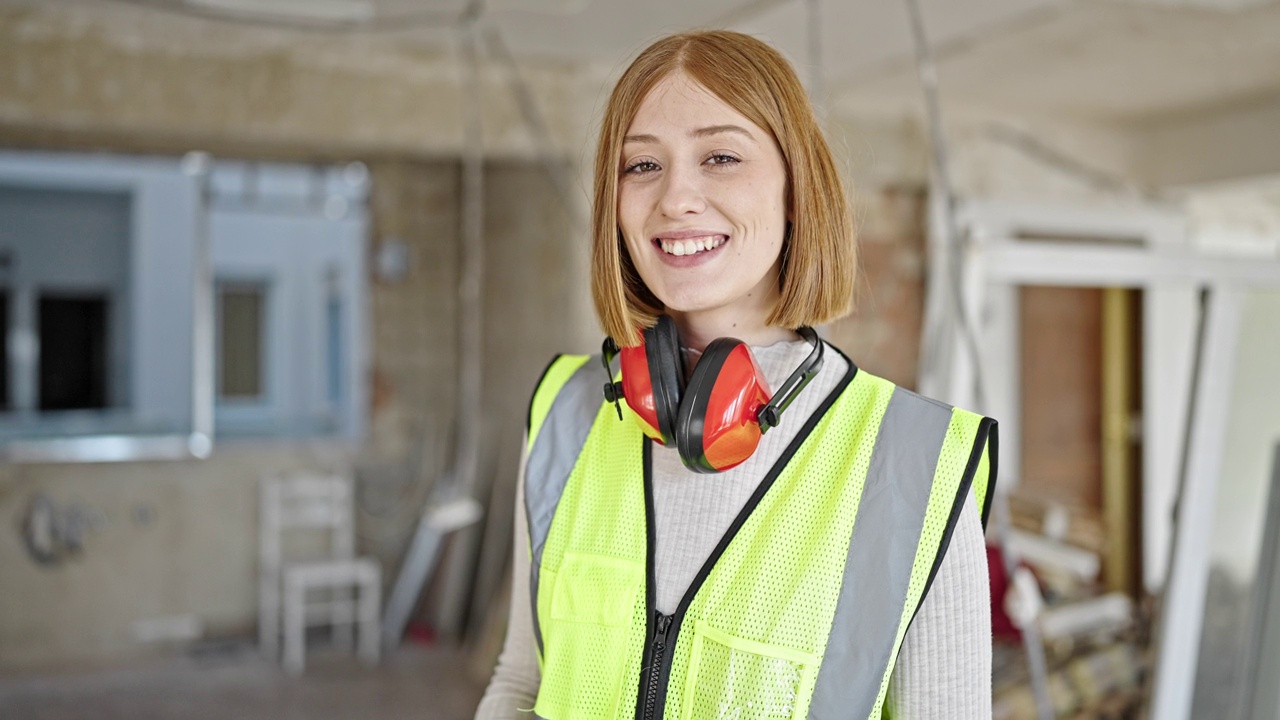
801, 609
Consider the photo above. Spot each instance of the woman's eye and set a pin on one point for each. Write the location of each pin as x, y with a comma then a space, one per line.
642, 166
722, 159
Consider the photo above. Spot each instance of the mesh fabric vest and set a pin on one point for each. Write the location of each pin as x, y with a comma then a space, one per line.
802, 607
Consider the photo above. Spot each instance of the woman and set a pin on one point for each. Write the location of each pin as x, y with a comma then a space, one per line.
683, 550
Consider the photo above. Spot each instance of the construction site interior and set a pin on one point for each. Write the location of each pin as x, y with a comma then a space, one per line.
277, 263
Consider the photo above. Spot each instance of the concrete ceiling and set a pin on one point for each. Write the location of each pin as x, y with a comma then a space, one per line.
1106, 60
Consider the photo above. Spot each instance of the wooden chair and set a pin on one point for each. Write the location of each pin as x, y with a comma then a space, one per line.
314, 502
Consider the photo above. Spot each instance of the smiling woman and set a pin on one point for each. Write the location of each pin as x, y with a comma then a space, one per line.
735, 110
688, 552
702, 197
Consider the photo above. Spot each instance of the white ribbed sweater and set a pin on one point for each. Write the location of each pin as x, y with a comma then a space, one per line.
944, 669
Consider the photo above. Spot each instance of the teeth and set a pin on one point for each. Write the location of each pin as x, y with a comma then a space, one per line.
691, 246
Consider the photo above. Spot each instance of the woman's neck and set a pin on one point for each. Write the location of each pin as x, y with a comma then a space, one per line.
697, 330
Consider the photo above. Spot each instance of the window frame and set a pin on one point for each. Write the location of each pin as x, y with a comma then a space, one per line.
167, 215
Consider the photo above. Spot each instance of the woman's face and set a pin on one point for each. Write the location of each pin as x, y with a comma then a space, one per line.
702, 204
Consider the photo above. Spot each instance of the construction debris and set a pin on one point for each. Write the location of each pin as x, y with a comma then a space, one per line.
1095, 641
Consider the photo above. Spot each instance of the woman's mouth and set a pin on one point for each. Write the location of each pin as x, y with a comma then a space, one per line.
690, 245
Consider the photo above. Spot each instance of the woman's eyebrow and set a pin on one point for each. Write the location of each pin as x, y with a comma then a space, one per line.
696, 133
717, 129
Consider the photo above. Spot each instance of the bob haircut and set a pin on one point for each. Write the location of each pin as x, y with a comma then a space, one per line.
818, 255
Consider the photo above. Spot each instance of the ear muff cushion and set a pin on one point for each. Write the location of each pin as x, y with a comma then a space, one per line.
697, 397
666, 373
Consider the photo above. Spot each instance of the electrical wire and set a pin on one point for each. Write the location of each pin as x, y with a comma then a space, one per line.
956, 246
532, 116
951, 237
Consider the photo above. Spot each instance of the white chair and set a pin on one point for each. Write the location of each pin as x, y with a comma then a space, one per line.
314, 502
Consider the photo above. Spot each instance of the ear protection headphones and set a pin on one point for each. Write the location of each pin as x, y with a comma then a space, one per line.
714, 420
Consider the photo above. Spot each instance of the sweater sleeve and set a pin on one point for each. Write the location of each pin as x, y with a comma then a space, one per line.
944, 667
514, 686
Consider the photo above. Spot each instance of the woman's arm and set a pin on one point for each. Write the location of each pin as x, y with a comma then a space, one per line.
944, 668
514, 686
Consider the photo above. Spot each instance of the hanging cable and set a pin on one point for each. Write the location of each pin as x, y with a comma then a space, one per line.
955, 246
533, 117
470, 284
951, 238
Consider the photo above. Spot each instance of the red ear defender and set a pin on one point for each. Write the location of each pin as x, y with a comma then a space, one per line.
652, 379
716, 420
719, 424
637, 388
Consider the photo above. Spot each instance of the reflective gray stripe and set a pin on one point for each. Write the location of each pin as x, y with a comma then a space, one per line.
882, 551
551, 460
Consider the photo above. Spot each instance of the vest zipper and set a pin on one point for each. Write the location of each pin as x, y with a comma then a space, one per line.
652, 699
657, 663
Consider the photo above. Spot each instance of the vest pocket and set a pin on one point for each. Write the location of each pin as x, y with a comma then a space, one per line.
730, 677
586, 636
596, 589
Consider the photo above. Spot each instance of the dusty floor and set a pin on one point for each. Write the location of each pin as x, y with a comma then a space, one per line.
236, 683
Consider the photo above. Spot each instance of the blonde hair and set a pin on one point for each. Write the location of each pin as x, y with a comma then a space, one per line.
818, 255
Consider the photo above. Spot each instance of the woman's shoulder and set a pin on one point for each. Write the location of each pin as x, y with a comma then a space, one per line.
582, 374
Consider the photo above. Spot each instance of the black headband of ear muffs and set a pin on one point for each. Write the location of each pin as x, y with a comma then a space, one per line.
666, 374
612, 390
771, 414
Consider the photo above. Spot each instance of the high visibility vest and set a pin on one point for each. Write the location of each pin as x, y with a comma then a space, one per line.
802, 607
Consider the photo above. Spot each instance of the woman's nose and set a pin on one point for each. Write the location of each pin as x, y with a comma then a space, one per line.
682, 194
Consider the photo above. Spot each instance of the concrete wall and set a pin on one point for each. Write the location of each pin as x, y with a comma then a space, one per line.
178, 539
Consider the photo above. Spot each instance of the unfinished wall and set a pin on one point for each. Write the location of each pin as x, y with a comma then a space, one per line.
414, 316
537, 304
1061, 395
173, 540
179, 539
882, 335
